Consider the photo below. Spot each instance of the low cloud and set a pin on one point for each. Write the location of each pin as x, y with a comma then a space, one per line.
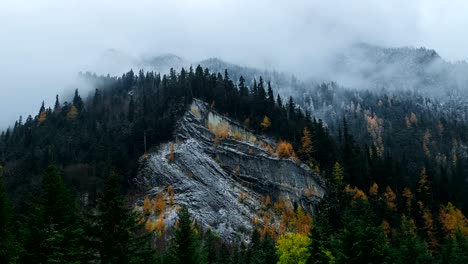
46, 42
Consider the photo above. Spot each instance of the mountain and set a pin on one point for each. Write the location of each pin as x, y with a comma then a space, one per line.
224, 182
235, 172
365, 66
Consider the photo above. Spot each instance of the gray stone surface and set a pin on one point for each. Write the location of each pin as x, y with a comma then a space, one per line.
225, 184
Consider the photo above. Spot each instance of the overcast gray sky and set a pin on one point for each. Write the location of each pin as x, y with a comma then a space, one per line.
44, 43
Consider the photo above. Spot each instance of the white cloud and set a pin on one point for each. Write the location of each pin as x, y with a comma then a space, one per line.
45, 42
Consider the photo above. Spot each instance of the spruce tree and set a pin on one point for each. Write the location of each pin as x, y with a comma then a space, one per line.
186, 246
8, 246
115, 231
53, 232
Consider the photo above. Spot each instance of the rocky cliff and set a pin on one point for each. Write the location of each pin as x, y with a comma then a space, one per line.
227, 176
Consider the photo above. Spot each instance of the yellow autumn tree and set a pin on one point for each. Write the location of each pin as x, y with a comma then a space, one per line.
159, 203
285, 150
266, 123
407, 122
355, 193
292, 248
73, 113
170, 190
374, 190
149, 225
338, 174
267, 200
268, 228
160, 225
452, 220
302, 221
147, 206
390, 199
42, 117
429, 227
413, 118
307, 148
424, 186
171, 153
409, 199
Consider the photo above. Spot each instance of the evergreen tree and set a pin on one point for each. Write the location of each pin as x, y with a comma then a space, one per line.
410, 248
271, 97
53, 232
361, 240
57, 106
455, 250
115, 232
243, 91
186, 247
8, 246
131, 110
77, 101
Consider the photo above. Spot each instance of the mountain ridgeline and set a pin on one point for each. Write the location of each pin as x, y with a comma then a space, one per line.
328, 176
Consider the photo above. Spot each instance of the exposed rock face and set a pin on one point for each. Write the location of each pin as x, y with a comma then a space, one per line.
224, 180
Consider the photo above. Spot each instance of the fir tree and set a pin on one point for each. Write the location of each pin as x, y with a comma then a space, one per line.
8, 246
186, 247
115, 231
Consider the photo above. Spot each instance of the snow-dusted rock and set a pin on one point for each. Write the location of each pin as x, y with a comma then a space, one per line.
224, 185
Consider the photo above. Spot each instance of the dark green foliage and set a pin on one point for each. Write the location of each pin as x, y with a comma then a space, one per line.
107, 130
187, 247
362, 239
8, 246
53, 231
456, 249
409, 247
115, 233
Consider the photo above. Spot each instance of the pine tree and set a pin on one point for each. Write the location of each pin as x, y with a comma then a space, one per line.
77, 101
243, 91
271, 97
53, 232
8, 246
131, 110
57, 106
361, 240
410, 248
117, 235
186, 247
455, 250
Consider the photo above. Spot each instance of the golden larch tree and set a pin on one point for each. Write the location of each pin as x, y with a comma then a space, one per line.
170, 190
73, 113
42, 117
374, 190
147, 207
159, 203
160, 225
266, 123
171, 153
390, 199
307, 148
409, 199
149, 225
285, 150
429, 227
452, 220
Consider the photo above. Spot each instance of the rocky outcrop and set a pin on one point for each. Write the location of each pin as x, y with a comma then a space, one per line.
223, 173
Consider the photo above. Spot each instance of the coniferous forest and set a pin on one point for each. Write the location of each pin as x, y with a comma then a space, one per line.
67, 178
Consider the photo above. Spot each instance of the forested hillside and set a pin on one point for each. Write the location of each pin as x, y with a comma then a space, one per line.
388, 200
